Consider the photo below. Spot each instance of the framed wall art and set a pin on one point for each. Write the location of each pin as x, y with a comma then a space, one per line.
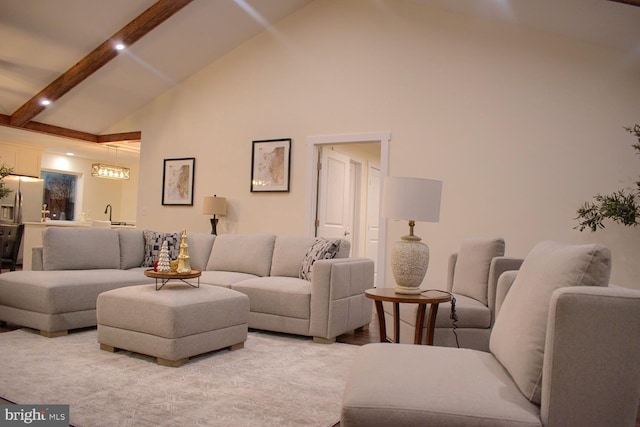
270, 164
177, 181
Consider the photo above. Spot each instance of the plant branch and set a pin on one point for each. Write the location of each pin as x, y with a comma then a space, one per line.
621, 206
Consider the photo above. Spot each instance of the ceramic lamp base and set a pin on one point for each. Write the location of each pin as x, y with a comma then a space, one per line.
409, 262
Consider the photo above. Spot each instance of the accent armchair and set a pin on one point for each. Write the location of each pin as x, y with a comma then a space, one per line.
472, 277
564, 352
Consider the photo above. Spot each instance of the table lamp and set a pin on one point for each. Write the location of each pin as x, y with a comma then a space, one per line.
411, 199
214, 206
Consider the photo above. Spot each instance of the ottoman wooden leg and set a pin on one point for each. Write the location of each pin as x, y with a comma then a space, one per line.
54, 334
171, 363
108, 348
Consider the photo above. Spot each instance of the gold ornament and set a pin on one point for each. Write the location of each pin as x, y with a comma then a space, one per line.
184, 265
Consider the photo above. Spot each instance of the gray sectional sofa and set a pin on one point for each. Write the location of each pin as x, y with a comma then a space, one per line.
75, 265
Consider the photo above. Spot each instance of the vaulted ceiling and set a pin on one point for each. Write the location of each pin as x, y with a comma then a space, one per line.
63, 50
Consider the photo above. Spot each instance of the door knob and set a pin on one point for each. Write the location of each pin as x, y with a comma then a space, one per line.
346, 233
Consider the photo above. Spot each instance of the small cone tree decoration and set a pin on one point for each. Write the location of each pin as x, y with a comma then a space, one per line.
164, 263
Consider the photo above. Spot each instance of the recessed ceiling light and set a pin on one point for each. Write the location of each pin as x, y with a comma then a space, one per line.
45, 102
119, 46
70, 154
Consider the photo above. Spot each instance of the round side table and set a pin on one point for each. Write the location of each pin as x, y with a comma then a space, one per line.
432, 297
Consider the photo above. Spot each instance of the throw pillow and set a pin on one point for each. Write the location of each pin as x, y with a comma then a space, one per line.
321, 249
153, 242
518, 335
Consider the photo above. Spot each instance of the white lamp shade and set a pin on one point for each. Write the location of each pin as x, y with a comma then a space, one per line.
416, 199
214, 205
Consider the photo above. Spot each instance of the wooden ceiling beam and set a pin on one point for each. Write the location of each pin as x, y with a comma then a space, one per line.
132, 32
629, 2
120, 137
70, 133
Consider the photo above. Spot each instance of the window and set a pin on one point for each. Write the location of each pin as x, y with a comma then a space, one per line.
60, 195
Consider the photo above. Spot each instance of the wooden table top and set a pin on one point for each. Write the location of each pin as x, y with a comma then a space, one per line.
172, 274
429, 296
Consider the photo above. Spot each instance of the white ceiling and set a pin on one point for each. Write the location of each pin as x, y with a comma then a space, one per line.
43, 39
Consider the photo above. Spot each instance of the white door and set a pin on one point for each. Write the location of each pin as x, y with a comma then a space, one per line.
372, 230
333, 219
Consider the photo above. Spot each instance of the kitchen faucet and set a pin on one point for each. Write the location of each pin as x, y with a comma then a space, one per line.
108, 208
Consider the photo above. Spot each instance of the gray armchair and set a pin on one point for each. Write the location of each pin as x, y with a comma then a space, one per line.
564, 352
472, 277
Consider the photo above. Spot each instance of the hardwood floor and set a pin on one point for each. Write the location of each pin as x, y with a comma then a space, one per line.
372, 334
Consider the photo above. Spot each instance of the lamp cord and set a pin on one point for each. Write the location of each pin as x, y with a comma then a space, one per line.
453, 316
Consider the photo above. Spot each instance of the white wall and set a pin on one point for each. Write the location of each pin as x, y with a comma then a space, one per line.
522, 126
95, 193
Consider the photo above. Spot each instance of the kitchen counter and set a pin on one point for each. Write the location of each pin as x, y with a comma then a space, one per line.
33, 235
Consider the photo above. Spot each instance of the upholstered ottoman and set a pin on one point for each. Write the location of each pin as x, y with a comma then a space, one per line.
174, 323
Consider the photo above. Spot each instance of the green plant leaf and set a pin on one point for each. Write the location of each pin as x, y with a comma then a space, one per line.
621, 206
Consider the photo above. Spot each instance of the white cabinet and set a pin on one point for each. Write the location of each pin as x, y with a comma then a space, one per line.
23, 160
8, 156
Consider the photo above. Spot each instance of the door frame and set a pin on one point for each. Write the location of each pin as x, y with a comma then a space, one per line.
313, 142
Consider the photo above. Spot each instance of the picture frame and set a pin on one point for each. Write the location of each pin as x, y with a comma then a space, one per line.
177, 181
270, 165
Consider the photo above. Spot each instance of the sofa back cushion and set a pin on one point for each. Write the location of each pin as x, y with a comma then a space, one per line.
67, 248
519, 332
131, 248
345, 249
200, 245
471, 274
288, 253
243, 253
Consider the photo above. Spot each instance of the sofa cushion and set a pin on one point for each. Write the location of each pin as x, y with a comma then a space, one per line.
222, 278
471, 314
131, 248
432, 386
471, 274
280, 296
153, 243
242, 253
53, 292
200, 245
320, 249
66, 248
288, 253
519, 332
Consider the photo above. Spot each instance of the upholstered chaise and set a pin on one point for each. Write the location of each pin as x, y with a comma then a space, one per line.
564, 352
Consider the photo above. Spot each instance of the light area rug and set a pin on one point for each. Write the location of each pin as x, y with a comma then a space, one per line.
275, 380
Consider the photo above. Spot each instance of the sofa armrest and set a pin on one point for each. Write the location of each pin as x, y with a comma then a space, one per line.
338, 302
503, 285
590, 371
36, 258
498, 266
